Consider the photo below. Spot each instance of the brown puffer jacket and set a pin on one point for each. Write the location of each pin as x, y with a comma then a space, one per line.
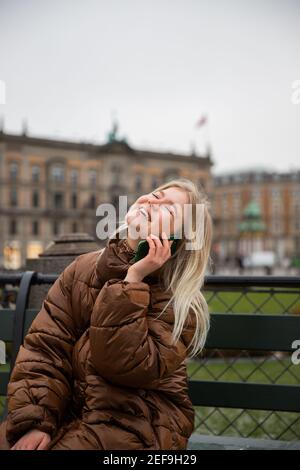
97, 369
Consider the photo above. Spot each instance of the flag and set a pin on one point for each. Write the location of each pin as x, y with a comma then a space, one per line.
201, 121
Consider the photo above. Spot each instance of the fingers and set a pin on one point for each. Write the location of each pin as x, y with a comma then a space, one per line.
17, 445
43, 444
24, 444
33, 439
151, 246
160, 248
156, 241
166, 242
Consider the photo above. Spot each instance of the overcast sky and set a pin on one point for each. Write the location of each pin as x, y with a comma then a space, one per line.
159, 65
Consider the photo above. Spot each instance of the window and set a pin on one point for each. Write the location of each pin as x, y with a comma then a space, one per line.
258, 177
93, 178
116, 167
116, 170
275, 193
170, 174
35, 173
297, 208
58, 200
13, 197
256, 195
295, 176
13, 227
115, 201
14, 171
237, 178
224, 202
74, 201
74, 227
58, 173
55, 227
296, 195
138, 182
92, 201
35, 227
276, 226
236, 202
74, 177
154, 182
35, 199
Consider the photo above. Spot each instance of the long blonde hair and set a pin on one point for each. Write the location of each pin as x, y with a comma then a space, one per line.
183, 273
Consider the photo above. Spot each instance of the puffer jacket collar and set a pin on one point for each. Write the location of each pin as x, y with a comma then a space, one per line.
113, 262
115, 259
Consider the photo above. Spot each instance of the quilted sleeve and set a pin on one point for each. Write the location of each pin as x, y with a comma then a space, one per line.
39, 388
124, 349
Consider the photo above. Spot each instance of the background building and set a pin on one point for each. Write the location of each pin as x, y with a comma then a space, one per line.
277, 195
49, 187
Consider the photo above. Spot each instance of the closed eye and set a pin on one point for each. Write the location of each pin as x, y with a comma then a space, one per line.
171, 211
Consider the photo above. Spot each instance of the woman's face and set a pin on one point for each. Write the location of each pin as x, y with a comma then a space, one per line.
157, 211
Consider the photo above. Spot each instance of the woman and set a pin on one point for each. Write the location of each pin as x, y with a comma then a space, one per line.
103, 365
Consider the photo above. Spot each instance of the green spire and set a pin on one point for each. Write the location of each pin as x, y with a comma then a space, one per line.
112, 135
252, 210
252, 219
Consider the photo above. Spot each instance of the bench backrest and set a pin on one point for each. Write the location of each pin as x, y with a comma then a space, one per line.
228, 331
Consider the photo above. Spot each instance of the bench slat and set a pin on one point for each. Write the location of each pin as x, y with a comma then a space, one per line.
245, 395
3, 382
7, 321
6, 324
30, 315
228, 331
253, 332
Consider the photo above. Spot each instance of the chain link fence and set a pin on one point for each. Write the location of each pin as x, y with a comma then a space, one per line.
266, 367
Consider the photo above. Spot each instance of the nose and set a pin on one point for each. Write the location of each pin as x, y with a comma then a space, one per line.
152, 205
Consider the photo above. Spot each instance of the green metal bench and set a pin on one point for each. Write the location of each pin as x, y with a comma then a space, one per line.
228, 331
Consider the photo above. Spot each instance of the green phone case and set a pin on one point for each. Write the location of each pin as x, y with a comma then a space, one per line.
143, 248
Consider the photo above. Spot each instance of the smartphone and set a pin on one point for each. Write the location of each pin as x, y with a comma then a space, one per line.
143, 248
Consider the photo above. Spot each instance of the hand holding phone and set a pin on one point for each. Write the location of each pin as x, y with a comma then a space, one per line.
143, 248
148, 260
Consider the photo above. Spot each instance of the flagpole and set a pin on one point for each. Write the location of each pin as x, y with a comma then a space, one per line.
206, 133
202, 122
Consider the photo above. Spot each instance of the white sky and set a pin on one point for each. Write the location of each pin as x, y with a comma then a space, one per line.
160, 65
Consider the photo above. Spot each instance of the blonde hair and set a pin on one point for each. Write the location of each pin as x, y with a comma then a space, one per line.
183, 273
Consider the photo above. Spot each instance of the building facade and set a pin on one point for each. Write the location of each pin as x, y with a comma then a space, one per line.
277, 195
49, 187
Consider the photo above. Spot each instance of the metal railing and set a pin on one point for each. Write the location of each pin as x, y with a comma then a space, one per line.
271, 297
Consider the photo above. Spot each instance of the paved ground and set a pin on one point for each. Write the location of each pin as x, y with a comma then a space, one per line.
197, 441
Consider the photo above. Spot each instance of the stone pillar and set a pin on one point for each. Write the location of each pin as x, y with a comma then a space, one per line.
56, 257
